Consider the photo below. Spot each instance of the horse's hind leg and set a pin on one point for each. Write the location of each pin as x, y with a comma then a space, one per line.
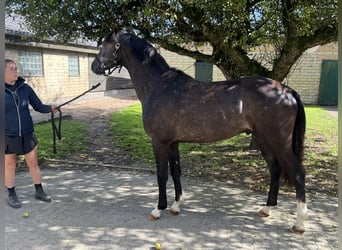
295, 174
275, 171
176, 174
280, 159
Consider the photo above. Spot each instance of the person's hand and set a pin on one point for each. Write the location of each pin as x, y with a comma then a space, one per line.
54, 109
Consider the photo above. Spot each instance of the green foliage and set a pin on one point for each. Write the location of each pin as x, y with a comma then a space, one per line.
73, 134
232, 27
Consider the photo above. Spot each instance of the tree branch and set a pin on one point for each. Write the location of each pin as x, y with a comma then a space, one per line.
182, 51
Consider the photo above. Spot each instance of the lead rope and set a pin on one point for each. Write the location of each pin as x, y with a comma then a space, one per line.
57, 130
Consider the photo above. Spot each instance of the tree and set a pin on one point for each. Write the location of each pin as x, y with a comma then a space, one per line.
231, 27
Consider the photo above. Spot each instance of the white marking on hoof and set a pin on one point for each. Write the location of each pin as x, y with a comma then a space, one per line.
155, 214
297, 230
302, 215
175, 208
265, 211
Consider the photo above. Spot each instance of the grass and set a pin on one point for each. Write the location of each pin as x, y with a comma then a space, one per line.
130, 135
73, 134
321, 159
233, 159
321, 130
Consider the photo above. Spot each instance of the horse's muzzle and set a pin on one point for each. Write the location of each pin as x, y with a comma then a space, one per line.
96, 67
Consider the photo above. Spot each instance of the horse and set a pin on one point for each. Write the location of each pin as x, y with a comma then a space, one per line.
176, 109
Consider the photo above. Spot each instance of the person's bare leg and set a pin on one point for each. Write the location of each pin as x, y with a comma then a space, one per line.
10, 164
31, 159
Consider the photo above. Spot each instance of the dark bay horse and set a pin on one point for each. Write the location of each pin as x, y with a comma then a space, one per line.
176, 108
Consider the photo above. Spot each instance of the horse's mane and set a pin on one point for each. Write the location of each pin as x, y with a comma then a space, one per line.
141, 46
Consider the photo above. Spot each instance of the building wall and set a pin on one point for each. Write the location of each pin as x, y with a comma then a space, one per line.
305, 74
55, 85
60, 85
187, 64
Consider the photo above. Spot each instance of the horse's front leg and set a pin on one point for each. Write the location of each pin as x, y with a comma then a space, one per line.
161, 157
174, 163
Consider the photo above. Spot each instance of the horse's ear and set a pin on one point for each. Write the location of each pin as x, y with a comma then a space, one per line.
115, 27
148, 54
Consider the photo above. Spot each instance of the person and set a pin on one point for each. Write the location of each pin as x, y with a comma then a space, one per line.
20, 138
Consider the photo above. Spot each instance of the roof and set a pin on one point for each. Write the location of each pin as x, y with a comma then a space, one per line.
16, 25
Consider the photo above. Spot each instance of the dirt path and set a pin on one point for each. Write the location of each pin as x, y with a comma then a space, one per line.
96, 115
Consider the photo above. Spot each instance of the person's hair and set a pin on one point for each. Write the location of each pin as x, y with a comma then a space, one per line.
9, 61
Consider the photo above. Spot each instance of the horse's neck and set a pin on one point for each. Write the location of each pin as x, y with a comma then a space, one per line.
145, 79
142, 84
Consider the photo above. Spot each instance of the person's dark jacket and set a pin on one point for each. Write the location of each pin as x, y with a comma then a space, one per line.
17, 99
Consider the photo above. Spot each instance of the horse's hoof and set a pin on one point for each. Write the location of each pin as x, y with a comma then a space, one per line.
297, 230
152, 218
155, 214
262, 213
173, 212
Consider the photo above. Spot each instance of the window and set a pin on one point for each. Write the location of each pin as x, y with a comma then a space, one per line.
73, 66
204, 71
30, 63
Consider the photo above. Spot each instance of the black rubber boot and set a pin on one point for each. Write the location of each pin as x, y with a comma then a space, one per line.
13, 200
40, 194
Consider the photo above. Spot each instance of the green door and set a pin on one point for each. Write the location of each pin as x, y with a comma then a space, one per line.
327, 94
203, 71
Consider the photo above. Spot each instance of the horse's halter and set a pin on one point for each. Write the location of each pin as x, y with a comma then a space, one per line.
107, 66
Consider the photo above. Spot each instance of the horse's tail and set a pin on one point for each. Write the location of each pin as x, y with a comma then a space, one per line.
299, 130
297, 136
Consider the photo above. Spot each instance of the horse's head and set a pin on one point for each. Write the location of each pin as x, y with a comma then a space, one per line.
108, 56
111, 51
